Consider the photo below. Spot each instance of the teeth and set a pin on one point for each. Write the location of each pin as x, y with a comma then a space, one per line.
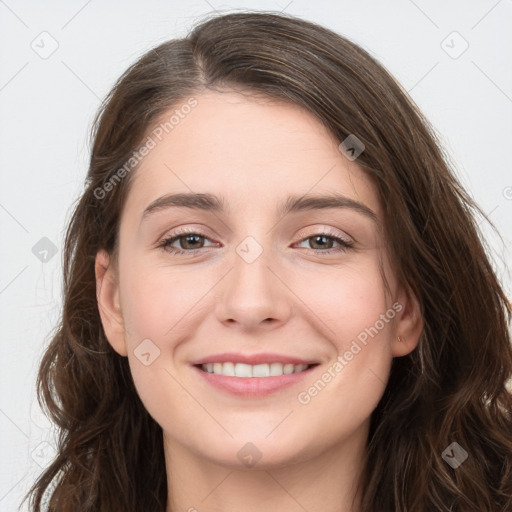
258, 370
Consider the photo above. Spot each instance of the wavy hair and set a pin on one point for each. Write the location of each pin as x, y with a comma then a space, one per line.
451, 388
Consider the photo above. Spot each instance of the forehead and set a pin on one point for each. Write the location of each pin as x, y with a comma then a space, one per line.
252, 151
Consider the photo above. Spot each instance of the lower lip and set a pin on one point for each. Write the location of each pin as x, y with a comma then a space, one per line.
253, 387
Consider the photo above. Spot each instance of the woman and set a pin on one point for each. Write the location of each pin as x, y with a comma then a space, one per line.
276, 296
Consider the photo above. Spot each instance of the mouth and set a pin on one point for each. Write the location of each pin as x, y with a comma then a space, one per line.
253, 381
242, 370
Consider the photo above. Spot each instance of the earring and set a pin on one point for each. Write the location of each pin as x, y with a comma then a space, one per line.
400, 339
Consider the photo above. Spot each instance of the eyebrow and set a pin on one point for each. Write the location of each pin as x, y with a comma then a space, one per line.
292, 204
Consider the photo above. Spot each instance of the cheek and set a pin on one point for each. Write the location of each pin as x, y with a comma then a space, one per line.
344, 302
156, 302
158, 311
350, 311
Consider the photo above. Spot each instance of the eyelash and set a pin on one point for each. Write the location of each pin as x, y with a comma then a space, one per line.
345, 245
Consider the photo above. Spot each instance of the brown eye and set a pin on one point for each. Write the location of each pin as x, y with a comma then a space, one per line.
189, 243
322, 243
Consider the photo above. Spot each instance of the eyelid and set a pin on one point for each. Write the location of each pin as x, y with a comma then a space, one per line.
185, 230
180, 232
303, 234
325, 230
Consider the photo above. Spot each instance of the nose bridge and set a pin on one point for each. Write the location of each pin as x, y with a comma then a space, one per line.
252, 293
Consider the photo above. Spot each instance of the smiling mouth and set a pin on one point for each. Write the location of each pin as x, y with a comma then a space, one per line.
229, 369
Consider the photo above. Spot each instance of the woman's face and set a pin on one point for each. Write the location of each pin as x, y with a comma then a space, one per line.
298, 285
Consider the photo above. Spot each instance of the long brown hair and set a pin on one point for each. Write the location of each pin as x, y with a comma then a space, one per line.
451, 388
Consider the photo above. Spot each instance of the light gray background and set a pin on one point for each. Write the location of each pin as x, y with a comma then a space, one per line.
47, 105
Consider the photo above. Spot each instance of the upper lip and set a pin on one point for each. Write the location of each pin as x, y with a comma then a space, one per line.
253, 359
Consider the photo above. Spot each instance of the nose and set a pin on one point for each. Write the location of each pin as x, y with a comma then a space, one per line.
253, 295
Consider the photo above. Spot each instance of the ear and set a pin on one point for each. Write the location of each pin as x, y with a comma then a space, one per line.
409, 323
107, 294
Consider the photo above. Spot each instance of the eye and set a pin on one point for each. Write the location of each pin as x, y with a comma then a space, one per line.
190, 242
324, 241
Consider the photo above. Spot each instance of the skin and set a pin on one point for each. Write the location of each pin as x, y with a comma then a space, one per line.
255, 152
